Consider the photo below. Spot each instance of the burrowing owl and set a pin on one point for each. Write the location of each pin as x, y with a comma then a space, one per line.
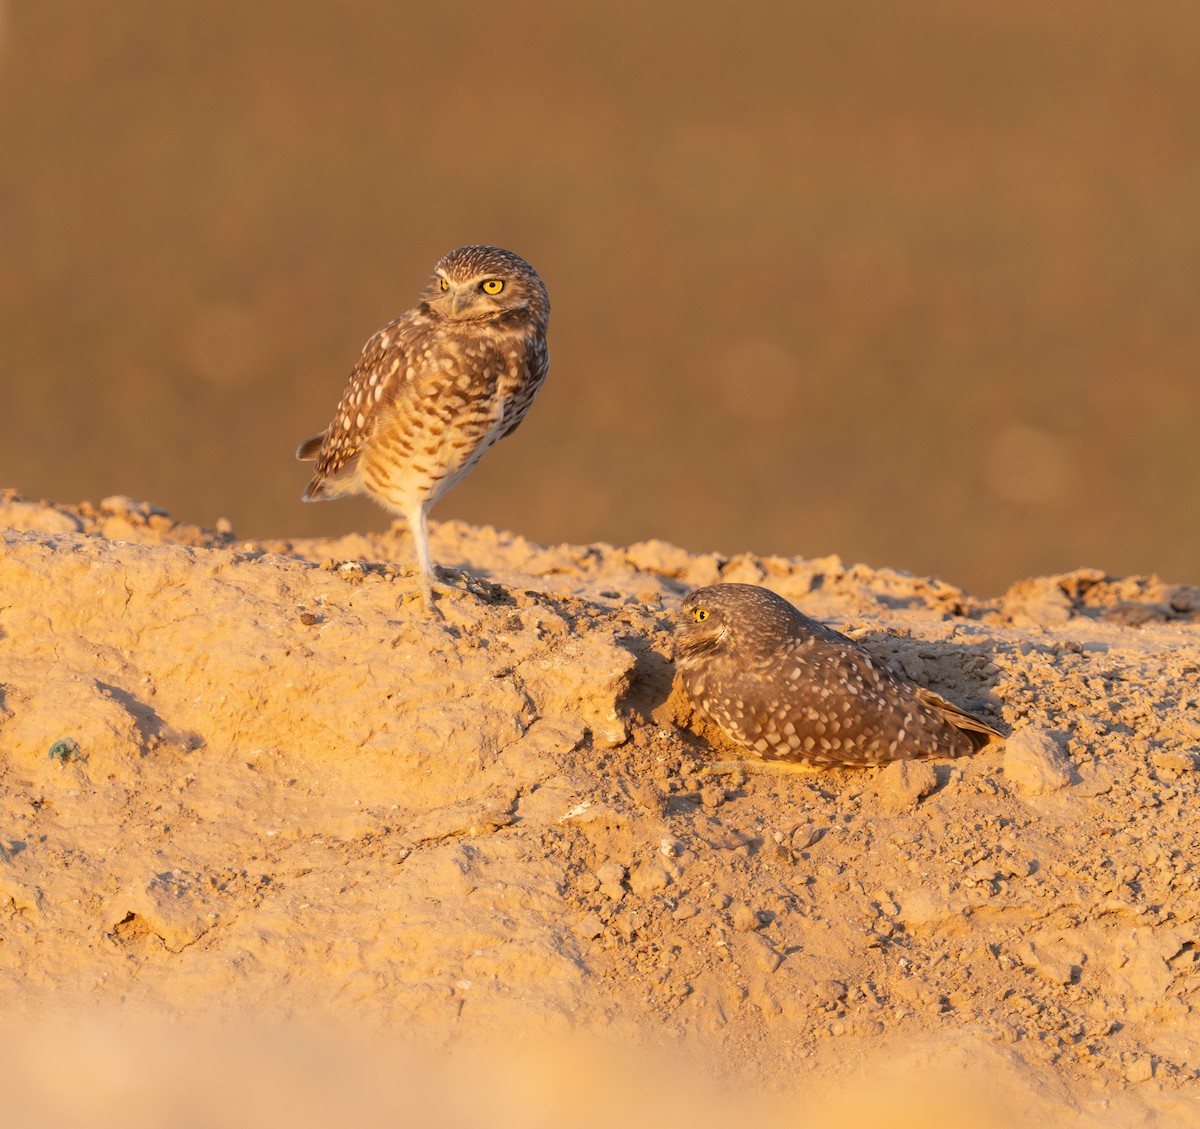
436, 388
788, 688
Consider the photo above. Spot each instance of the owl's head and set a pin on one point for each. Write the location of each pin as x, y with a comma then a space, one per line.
741, 619
487, 284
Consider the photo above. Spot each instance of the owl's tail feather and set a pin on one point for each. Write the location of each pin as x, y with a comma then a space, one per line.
310, 448
327, 483
978, 730
320, 489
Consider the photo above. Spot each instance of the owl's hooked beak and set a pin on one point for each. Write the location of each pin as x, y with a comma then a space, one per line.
462, 298
692, 638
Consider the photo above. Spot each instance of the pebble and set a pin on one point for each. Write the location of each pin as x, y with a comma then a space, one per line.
610, 872
829, 993
1140, 1070
611, 875
765, 955
805, 836
648, 877
903, 784
589, 926
1034, 764
711, 797
1173, 762
745, 920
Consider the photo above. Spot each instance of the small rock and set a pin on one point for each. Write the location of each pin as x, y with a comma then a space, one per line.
1140, 1069
628, 922
1034, 764
1173, 762
611, 875
922, 907
1056, 970
610, 871
903, 784
609, 732
648, 798
805, 836
648, 877
883, 928
829, 993
1185, 599
589, 926
765, 955
659, 557
745, 920
119, 504
711, 797
866, 1027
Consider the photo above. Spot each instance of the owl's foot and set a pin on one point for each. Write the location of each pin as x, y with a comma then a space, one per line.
442, 583
426, 590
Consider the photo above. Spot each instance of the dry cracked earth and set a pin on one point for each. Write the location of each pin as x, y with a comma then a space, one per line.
254, 783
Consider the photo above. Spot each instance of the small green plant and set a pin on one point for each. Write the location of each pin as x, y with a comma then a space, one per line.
66, 749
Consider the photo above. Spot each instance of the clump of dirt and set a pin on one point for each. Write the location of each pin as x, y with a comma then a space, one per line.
281, 785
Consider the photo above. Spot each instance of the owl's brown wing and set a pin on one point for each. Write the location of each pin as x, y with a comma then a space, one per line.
892, 719
381, 367
537, 367
858, 713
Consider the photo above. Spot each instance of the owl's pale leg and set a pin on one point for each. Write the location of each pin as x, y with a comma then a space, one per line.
420, 535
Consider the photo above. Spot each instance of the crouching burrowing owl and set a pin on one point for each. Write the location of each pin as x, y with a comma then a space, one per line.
436, 388
788, 688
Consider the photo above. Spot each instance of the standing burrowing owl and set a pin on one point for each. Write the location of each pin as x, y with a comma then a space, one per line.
788, 688
436, 388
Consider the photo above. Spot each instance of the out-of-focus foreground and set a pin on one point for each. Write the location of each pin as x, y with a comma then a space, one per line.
915, 284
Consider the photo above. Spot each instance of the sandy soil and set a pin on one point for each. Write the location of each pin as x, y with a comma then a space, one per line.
255, 781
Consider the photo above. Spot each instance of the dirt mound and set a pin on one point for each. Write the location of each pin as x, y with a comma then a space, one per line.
257, 779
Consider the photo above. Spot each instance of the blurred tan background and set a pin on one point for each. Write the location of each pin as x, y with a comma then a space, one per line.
915, 283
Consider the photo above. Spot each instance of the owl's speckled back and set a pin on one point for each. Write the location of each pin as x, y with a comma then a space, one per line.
786, 687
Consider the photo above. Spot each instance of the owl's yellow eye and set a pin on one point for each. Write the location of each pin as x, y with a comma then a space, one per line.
700, 614
493, 286
443, 284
